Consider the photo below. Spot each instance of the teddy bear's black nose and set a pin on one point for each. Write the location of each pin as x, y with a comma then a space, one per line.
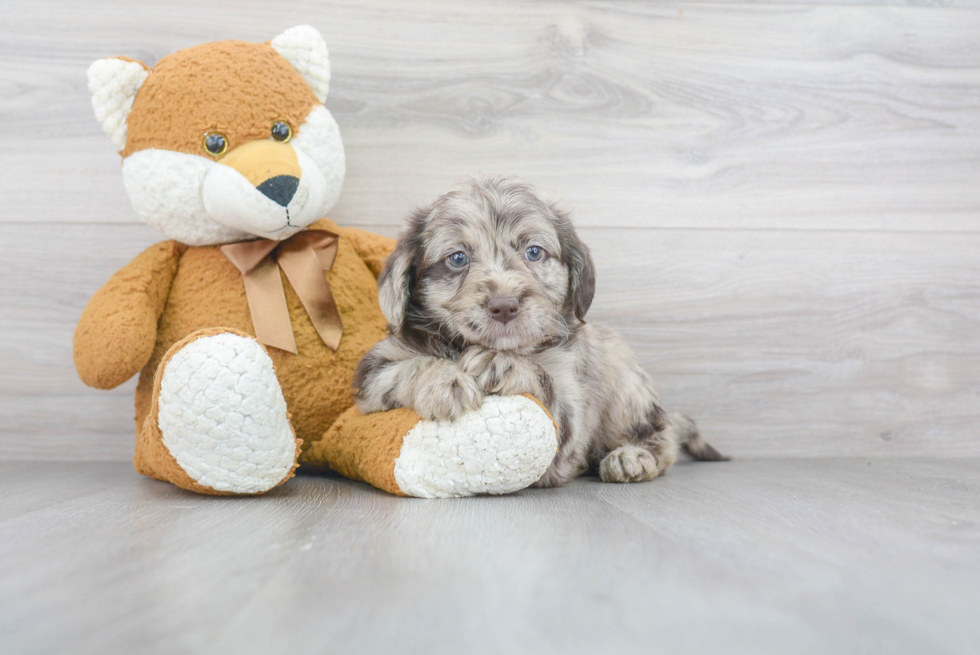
280, 188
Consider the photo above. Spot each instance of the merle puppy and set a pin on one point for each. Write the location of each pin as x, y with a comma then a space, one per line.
486, 293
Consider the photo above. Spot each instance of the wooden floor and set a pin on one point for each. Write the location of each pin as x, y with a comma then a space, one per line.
831, 556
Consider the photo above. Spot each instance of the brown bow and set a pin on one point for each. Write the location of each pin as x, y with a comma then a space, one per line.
303, 257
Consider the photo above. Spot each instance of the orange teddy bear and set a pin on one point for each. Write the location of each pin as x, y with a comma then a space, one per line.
247, 325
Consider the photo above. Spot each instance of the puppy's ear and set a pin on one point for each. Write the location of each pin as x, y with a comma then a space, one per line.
394, 285
581, 268
581, 282
396, 282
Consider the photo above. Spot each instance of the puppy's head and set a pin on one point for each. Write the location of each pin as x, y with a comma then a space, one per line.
488, 263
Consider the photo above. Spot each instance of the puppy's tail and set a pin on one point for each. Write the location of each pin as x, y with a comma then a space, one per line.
690, 439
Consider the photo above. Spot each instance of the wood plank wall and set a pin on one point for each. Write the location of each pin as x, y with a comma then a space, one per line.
783, 198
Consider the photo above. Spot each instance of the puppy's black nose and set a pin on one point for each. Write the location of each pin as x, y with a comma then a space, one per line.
280, 189
503, 308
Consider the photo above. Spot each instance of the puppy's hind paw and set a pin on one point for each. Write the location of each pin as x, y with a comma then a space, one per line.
629, 464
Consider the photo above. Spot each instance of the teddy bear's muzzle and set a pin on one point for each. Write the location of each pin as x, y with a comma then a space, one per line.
264, 160
265, 188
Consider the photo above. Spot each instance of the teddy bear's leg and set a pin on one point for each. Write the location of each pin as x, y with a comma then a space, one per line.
218, 422
504, 446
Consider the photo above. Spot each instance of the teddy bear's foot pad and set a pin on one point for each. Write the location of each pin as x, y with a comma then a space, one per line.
223, 416
504, 446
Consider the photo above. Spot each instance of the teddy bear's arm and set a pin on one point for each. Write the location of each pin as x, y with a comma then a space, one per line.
372, 248
116, 333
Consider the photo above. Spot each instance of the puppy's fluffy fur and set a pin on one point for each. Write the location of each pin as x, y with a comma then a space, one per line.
492, 244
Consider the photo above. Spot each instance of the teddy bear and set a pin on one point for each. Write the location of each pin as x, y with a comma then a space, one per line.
246, 325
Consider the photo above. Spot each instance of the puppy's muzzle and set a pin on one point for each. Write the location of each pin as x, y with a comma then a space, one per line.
503, 308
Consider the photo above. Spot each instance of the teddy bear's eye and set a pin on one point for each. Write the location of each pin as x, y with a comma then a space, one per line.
215, 144
282, 132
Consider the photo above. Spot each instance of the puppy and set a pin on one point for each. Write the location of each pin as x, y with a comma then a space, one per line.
486, 293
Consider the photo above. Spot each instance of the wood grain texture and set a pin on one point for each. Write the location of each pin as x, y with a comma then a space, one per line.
783, 204
963, 4
780, 343
640, 114
800, 556
782, 197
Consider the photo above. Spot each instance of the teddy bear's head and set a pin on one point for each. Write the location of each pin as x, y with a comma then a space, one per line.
228, 140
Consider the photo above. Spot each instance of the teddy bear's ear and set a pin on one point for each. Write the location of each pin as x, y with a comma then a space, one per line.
305, 49
113, 84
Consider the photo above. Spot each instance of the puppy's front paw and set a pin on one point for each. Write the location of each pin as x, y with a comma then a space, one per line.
501, 373
629, 464
446, 393
516, 375
475, 360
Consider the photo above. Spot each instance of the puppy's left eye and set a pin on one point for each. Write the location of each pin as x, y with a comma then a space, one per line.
458, 259
534, 253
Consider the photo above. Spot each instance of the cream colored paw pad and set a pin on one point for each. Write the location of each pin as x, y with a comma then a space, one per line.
223, 417
504, 446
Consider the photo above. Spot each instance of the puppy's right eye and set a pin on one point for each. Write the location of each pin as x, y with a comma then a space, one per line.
458, 259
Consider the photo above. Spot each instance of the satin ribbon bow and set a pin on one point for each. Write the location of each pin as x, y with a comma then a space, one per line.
303, 257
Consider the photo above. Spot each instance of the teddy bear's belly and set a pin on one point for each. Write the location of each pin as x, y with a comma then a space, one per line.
208, 292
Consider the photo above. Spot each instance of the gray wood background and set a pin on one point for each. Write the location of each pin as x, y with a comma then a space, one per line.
783, 198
